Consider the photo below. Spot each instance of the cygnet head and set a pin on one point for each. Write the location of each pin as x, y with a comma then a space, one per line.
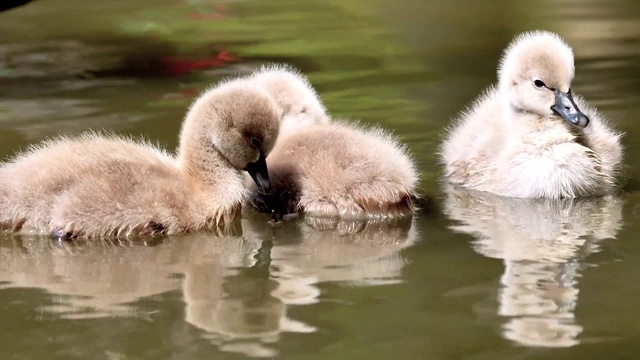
535, 76
240, 120
297, 99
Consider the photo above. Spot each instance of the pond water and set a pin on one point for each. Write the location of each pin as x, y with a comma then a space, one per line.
472, 277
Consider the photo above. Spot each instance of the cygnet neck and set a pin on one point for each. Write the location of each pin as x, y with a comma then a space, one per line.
201, 161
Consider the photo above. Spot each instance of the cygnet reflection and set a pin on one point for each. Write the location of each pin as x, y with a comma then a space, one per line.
88, 279
231, 296
249, 305
360, 253
236, 289
542, 243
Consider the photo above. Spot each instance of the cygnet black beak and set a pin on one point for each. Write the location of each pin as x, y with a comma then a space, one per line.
567, 108
259, 173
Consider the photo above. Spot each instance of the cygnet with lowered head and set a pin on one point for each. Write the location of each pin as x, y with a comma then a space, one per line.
107, 186
294, 94
529, 136
331, 169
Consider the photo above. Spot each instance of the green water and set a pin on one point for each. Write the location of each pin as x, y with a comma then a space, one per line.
473, 277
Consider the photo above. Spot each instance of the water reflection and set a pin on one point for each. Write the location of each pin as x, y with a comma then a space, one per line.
88, 280
233, 298
236, 289
542, 243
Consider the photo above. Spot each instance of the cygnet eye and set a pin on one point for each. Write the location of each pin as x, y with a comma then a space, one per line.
538, 83
255, 142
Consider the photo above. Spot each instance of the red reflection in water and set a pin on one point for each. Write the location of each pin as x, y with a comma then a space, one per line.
179, 66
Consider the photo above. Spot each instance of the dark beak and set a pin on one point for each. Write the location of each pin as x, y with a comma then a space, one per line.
567, 108
259, 173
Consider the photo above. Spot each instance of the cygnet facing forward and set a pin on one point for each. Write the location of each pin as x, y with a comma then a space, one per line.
529, 136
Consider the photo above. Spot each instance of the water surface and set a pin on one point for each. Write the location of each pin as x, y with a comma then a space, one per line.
474, 277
